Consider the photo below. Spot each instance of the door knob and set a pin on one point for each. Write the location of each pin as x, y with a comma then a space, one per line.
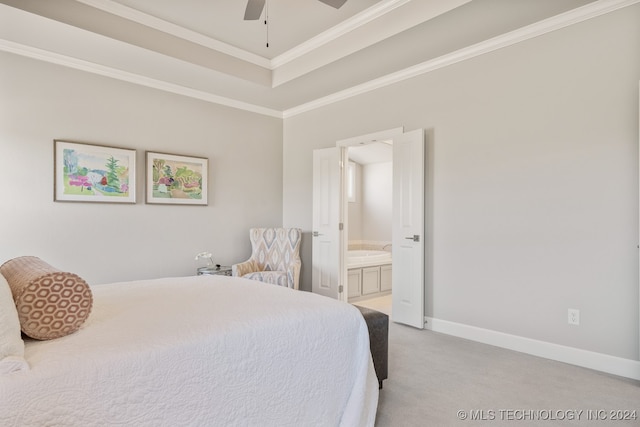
415, 238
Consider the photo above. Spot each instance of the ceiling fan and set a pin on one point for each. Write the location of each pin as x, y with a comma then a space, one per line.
255, 7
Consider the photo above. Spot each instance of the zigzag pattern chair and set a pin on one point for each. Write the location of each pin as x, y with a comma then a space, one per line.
275, 257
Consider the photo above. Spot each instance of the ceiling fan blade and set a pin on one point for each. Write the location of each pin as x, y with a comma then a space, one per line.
253, 10
334, 3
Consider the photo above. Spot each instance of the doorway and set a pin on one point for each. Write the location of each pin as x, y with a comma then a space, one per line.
369, 191
330, 221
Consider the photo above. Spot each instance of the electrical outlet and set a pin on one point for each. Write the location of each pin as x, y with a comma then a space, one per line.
574, 316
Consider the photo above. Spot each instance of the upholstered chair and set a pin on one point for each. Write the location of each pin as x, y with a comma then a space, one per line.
275, 257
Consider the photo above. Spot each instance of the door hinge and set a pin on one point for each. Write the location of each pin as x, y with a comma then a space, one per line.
340, 289
341, 226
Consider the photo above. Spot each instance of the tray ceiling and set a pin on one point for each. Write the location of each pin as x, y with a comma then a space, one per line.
316, 53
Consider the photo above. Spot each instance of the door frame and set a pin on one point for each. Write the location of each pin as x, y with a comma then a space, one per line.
344, 144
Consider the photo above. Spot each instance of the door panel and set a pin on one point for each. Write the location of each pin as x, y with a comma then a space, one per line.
325, 256
385, 278
370, 280
354, 280
408, 229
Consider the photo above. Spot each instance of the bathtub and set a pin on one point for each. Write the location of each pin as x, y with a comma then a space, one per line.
367, 258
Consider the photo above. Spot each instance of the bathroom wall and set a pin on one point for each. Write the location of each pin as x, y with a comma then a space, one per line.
370, 215
354, 223
377, 196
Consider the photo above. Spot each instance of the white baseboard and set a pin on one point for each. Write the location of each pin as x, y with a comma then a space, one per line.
587, 359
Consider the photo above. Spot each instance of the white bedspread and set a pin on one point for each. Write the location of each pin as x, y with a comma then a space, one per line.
200, 351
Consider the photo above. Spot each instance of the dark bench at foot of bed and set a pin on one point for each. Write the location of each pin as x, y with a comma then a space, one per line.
378, 324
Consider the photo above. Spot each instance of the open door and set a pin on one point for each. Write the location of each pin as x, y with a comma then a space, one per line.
326, 233
408, 229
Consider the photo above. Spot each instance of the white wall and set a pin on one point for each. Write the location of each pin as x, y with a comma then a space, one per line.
111, 242
533, 182
354, 209
370, 214
377, 199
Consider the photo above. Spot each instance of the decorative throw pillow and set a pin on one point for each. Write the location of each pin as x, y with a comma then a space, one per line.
11, 344
50, 303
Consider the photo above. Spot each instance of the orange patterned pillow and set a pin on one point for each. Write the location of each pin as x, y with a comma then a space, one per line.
50, 302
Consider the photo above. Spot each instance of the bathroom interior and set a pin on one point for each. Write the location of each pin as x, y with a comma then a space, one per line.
369, 193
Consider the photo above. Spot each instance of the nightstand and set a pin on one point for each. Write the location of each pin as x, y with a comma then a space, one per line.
222, 270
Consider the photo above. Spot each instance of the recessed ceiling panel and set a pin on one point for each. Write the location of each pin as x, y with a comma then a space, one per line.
290, 22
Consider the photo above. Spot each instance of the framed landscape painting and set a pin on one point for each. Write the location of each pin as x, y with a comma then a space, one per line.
175, 179
93, 173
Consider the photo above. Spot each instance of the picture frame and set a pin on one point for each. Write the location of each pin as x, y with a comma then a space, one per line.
85, 172
176, 179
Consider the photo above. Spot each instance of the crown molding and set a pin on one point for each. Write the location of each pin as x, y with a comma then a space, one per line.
297, 54
102, 70
139, 17
589, 11
362, 18
371, 26
583, 13
337, 31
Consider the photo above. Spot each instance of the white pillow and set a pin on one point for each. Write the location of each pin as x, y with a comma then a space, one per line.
11, 344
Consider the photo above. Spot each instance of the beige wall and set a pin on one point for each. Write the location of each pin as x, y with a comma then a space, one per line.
377, 192
355, 208
370, 215
113, 242
533, 182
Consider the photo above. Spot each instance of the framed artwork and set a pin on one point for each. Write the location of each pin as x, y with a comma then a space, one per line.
176, 180
93, 173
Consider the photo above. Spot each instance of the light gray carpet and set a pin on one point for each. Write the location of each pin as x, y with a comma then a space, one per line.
432, 376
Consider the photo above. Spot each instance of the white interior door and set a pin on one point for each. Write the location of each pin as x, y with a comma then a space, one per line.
408, 229
327, 203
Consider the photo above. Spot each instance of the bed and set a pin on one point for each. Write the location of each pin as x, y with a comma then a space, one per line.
199, 351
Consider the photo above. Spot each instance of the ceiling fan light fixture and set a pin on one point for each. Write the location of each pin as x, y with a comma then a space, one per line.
255, 7
253, 10
334, 3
